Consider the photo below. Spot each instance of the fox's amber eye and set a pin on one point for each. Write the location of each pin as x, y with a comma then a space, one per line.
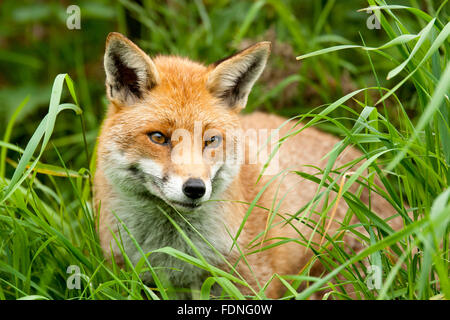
213, 142
158, 137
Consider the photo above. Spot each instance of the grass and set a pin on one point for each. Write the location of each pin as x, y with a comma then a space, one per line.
395, 110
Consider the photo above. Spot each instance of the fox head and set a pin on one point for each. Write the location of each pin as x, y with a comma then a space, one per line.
167, 129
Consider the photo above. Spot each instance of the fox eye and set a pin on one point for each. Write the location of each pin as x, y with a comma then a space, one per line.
213, 142
158, 138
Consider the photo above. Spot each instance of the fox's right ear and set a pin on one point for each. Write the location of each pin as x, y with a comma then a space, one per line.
129, 71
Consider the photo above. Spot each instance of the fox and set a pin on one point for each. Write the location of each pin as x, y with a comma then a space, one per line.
150, 193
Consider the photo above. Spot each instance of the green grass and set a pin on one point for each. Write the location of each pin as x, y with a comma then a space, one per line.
396, 111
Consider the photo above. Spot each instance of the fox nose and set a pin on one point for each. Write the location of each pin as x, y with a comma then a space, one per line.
194, 188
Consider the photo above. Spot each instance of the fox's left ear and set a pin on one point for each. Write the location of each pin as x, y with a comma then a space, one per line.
232, 78
129, 71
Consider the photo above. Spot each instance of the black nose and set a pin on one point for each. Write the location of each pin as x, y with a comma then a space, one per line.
194, 188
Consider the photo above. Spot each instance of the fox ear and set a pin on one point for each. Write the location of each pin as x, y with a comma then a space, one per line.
129, 71
232, 78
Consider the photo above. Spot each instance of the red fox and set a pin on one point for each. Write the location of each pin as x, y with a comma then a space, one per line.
145, 174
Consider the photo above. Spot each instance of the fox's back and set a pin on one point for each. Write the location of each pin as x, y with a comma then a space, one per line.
304, 151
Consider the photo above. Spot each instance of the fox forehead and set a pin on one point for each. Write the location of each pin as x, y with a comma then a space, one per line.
182, 85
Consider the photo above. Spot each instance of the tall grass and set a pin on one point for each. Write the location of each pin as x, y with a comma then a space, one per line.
47, 219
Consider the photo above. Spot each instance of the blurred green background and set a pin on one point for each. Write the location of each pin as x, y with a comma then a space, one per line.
46, 222
36, 45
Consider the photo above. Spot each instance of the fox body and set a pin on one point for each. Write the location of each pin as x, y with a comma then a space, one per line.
140, 184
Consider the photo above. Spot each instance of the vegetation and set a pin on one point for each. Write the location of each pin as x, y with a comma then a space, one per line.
385, 91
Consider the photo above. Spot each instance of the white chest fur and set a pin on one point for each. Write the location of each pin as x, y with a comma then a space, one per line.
152, 230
